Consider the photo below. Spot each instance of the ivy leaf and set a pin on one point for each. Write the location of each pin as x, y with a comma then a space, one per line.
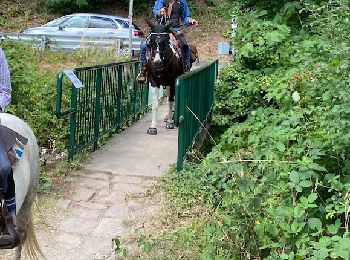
315, 223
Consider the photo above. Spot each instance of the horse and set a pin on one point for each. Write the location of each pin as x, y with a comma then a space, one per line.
164, 64
26, 178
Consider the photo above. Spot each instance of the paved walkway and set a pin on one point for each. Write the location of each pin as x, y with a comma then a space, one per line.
103, 202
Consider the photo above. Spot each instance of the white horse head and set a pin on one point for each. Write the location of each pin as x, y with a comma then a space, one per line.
26, 176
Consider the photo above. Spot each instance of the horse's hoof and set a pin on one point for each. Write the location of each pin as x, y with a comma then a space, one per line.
169, 126
152, 131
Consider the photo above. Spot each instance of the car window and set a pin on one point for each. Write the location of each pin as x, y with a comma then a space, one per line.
75, 22
56, 22
101, 22
122, 23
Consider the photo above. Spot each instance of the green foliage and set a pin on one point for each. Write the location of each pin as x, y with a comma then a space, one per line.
33, 78
69, 6
277, 183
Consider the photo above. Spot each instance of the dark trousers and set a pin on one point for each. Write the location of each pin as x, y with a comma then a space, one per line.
7, 183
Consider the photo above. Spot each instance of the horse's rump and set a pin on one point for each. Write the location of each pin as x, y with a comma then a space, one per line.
28, 165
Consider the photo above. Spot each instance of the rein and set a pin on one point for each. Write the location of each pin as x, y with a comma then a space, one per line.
164, 67
171, 59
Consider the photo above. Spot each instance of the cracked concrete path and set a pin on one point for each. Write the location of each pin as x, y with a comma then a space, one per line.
103, 198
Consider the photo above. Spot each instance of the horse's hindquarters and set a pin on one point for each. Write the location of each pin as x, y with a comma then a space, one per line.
27, 169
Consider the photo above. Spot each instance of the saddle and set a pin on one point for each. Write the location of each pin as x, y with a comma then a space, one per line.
14, 145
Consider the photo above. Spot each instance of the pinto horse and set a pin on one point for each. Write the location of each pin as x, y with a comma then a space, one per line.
164, 64
26, 176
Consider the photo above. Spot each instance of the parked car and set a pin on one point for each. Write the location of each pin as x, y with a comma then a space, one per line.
89, 24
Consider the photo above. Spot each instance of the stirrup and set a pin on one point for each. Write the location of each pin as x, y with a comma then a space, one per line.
8, 235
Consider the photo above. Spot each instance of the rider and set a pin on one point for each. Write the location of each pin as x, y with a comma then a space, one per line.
175, 10
7, 185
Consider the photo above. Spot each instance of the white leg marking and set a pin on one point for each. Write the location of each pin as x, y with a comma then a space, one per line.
155, 93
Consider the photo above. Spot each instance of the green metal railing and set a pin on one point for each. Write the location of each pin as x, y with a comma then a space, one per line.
109, 99
193, 103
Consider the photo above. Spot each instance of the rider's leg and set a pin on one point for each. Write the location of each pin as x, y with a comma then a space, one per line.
141, 77
6, 180
7, 186
185, 46
5, 167
187, 52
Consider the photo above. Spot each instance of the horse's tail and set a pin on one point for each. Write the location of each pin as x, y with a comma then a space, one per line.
31, 244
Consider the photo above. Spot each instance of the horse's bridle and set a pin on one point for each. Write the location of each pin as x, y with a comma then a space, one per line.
157, 42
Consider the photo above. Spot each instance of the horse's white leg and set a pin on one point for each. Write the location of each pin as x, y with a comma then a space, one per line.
155, 93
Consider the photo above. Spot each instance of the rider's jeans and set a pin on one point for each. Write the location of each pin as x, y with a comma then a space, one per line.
143, 54
5, 167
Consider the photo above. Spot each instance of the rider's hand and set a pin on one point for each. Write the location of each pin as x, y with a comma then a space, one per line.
161, 12
193, 22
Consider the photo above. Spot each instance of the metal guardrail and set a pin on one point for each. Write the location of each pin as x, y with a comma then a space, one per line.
193, 104
108, 99
74, 42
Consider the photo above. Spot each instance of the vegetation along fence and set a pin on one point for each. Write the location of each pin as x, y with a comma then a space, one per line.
193, 104
99, 100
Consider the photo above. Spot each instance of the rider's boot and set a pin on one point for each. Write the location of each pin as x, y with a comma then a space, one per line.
141, 77
8, 236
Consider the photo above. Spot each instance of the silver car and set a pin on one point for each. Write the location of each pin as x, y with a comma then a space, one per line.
89, 25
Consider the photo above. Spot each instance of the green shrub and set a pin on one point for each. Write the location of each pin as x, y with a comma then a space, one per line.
278, 182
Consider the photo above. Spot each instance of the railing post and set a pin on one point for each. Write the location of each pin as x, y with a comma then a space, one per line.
42, 43
73, 123
97, 107
119, 94
134, 96
180, 104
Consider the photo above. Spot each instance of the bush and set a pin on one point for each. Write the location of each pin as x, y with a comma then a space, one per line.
278, 182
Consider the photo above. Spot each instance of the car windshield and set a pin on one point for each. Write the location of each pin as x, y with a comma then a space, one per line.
56, 22
75, 22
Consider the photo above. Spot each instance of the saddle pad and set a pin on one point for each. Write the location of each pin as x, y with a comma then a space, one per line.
14, 143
